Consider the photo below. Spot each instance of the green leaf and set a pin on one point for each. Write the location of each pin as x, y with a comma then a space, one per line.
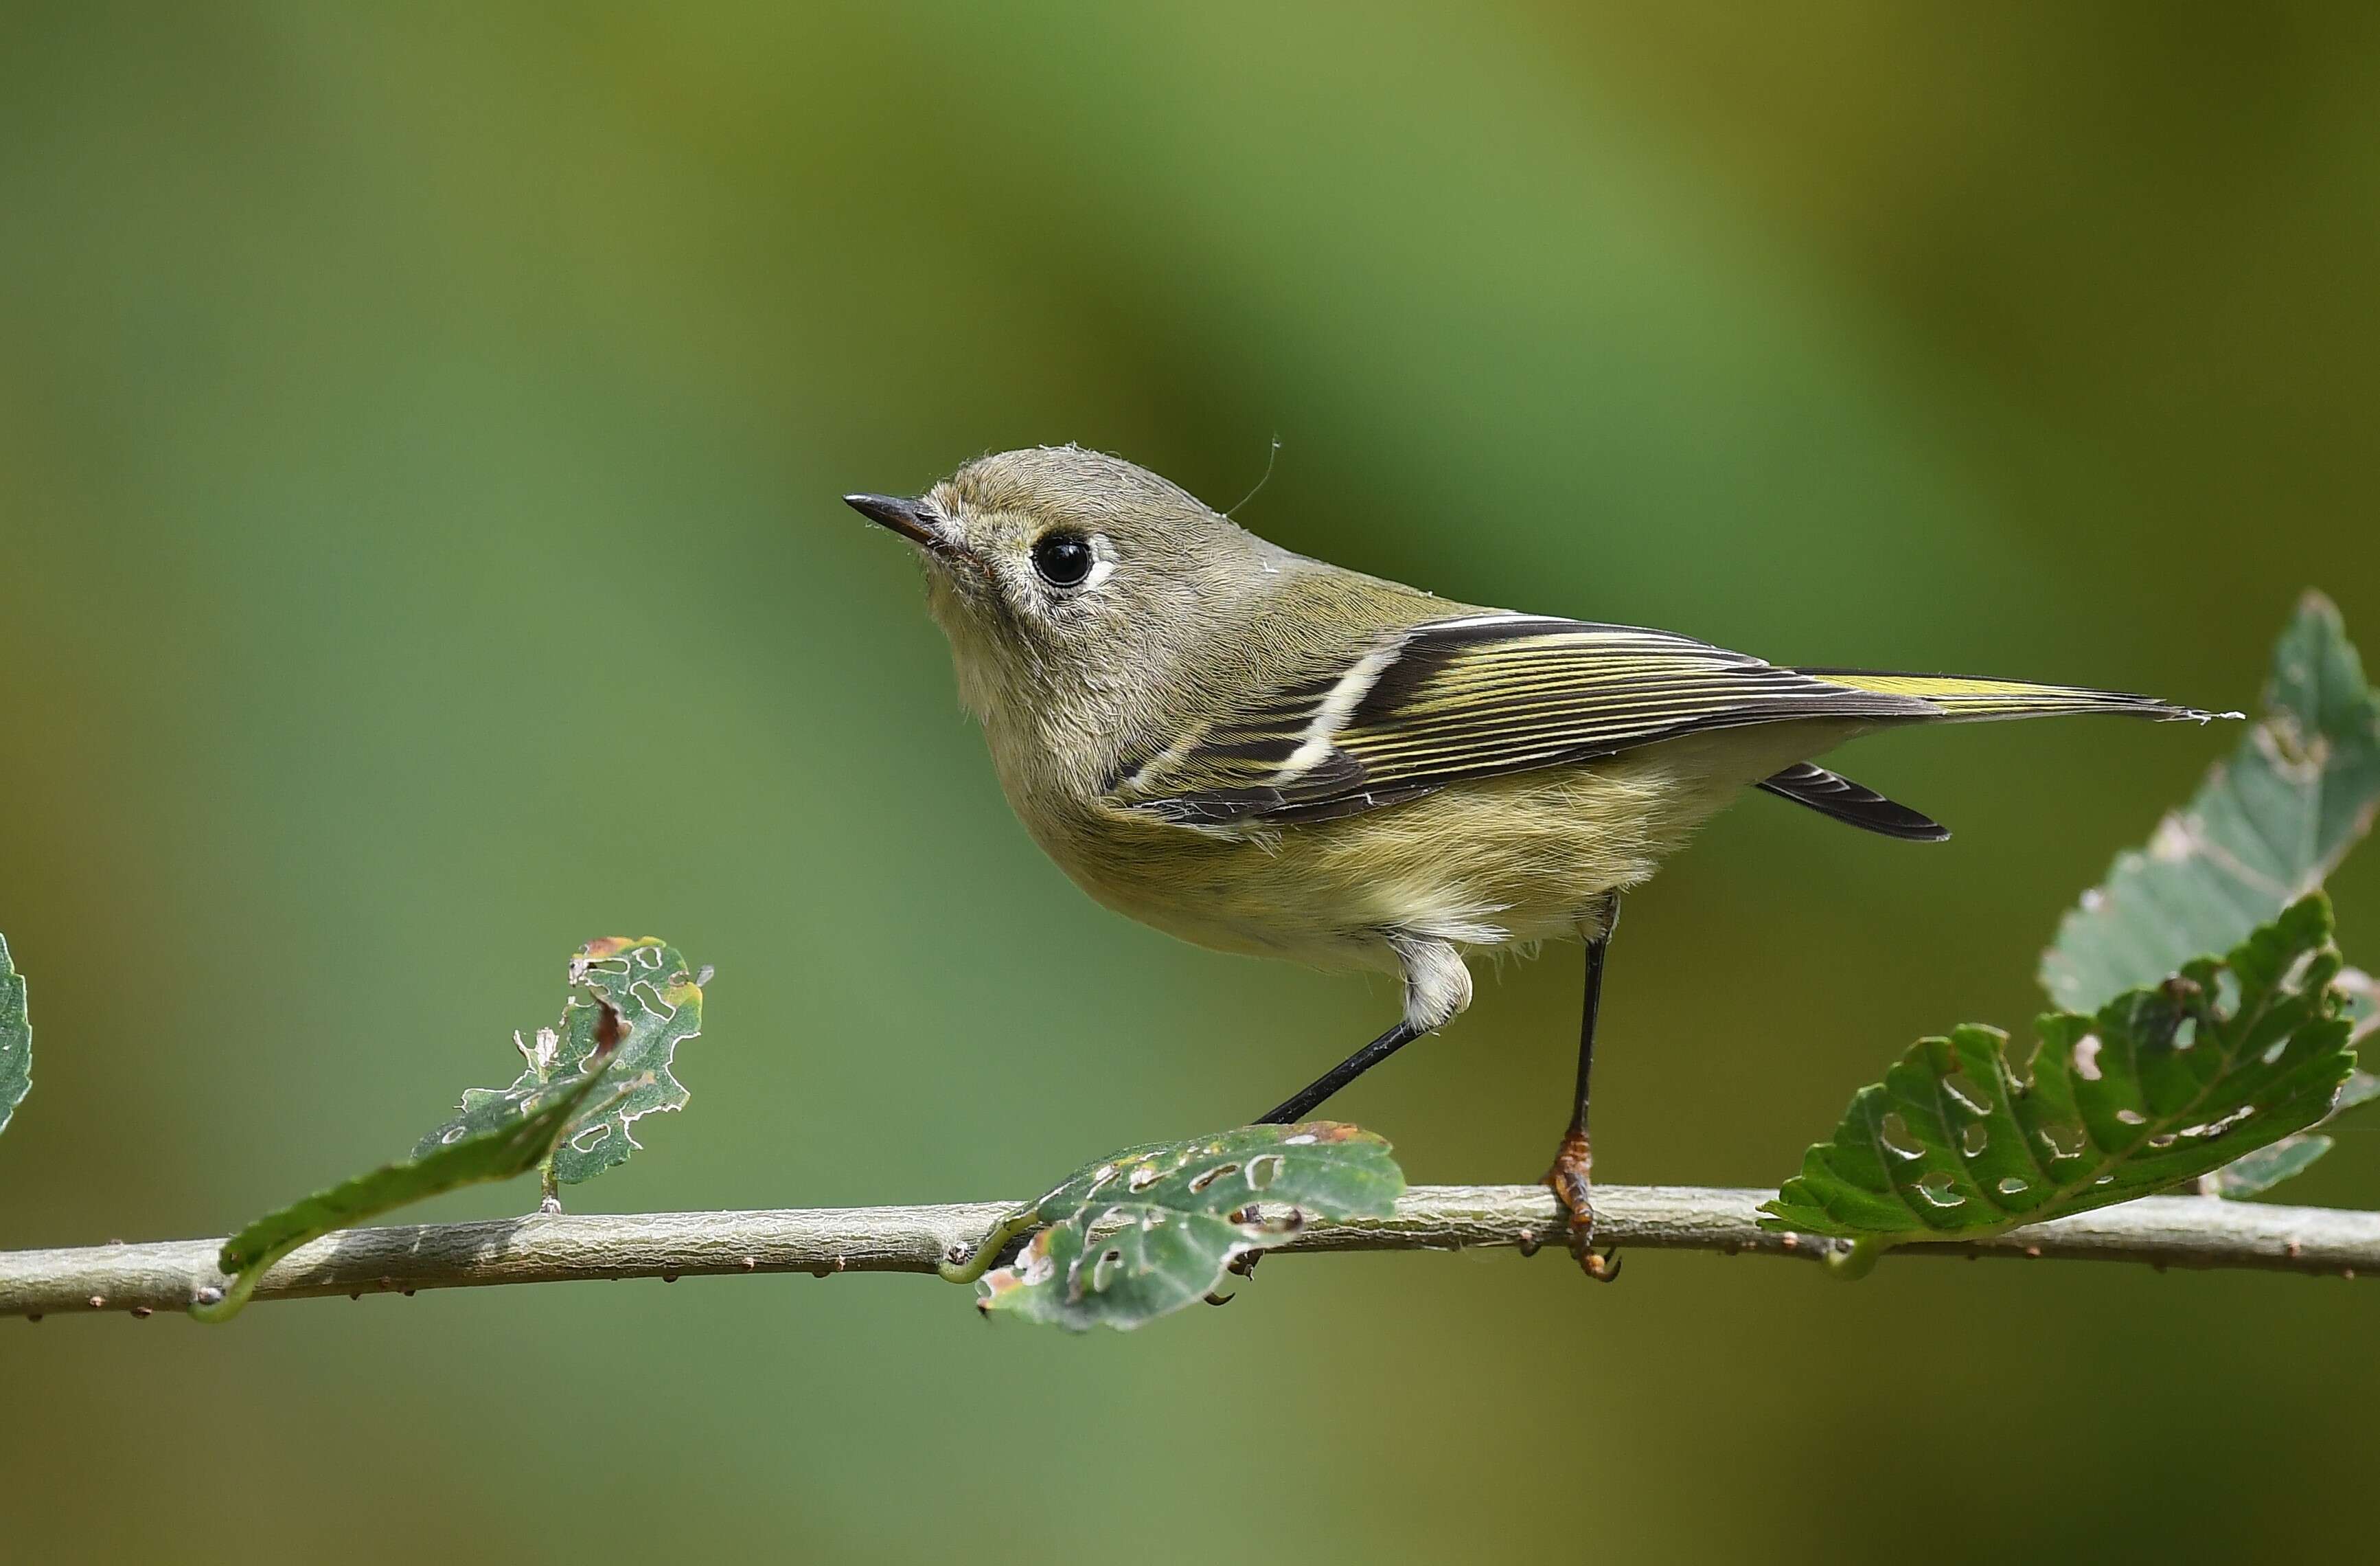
2267, 1167
657, 1000
15, 1039
2164, 1084
505, 1134
587, 1081
2265, 828
1148, 1230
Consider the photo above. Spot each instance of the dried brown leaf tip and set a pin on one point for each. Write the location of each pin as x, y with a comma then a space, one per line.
1328, 1132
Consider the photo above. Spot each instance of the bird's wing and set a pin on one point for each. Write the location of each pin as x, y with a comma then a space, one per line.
1417, 709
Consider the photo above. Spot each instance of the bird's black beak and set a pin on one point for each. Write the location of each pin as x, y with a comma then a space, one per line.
903, 516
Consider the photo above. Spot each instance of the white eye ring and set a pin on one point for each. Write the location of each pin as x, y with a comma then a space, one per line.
1058, 553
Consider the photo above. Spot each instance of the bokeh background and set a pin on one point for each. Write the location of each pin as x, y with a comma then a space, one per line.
419, 436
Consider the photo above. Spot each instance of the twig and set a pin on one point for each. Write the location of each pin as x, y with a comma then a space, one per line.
2188, 1231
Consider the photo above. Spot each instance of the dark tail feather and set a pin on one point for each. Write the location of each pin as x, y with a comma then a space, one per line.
1847, 802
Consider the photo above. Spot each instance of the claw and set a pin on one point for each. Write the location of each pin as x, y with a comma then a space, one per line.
1569, 1179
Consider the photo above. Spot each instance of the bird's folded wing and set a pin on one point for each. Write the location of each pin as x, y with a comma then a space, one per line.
1418, 709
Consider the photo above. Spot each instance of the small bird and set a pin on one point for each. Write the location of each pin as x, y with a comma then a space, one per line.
1266, 754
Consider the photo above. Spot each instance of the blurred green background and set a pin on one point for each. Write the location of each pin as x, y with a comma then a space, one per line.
419, 435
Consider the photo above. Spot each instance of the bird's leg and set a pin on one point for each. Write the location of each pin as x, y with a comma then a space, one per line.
1575, 1158
1436, 987
1308, 1098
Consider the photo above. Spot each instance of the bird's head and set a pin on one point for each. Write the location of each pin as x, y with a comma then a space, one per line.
1061, 574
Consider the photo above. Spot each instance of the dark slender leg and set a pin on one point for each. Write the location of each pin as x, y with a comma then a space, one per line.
1575, 1160
1306, 1100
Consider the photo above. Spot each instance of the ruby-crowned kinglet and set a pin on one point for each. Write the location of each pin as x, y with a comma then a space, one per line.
1264, 753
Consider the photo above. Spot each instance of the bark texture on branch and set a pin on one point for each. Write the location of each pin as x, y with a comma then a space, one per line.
2187, 1232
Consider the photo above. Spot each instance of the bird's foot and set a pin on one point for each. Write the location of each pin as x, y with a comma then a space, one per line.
1569, 1179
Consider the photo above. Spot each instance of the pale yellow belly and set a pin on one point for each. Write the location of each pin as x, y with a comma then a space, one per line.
1524, 857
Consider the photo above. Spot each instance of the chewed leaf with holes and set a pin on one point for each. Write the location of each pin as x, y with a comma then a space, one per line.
2267, 1167
633, 1003
2164, 1084
15, 1039
2265, 828
1153, 1229
657, 1000
503, 1136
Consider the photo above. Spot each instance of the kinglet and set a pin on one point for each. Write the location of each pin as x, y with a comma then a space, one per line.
1264, 753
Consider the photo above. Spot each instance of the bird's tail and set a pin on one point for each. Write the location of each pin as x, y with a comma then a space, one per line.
1968, 699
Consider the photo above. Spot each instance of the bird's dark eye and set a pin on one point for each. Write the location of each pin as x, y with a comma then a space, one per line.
1063, 559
